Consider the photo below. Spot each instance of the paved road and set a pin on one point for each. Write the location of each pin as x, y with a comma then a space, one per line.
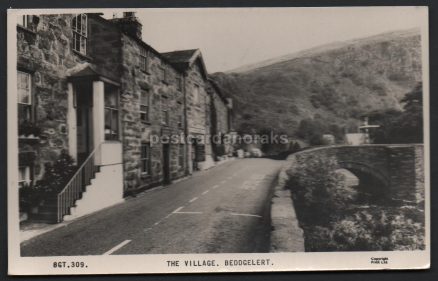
221, 210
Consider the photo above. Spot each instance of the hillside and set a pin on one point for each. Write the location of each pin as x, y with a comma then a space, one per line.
336, 82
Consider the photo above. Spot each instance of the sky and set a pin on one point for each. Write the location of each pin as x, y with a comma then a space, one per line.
233, 37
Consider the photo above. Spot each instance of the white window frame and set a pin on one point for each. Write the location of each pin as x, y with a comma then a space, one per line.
144, 60
29, 89
27, 179
81, 33
145, 159
146, 113
24, 21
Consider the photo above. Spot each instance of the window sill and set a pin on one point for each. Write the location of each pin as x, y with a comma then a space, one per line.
145, 176
20, 27
146, 122
81, 55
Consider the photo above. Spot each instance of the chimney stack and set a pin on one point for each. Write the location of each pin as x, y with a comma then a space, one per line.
129, 24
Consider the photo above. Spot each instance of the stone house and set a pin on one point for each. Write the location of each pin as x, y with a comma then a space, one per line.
91, 87
221, 121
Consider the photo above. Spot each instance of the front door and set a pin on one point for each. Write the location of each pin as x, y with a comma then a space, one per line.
84, 121
166, 164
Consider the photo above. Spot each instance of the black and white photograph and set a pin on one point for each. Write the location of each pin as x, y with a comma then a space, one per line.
218, 140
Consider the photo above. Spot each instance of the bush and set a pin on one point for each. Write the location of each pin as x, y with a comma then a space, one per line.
334, 219
57, 174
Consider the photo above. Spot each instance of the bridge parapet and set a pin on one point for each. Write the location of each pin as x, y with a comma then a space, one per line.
398, 167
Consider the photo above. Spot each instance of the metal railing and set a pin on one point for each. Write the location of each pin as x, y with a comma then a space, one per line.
76, 186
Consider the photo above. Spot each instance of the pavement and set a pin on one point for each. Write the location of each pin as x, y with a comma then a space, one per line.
221, 210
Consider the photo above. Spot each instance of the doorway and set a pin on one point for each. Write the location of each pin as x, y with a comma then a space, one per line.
84, 121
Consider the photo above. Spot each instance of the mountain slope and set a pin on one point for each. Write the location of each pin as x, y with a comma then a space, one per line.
336, 82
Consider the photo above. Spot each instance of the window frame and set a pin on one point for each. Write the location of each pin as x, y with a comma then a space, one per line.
147, 112
27, 181
179, 83
163, 74
116, 136
27, 108
29, 83
144, 60
181, 156
166, 121
80, 34
145, 167
24, 21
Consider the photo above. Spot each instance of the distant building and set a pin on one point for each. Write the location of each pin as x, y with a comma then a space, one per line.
362, 136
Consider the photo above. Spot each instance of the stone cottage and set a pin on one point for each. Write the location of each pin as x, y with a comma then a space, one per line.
130, 117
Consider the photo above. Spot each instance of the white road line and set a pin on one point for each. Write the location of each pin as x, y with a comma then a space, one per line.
215, 186
193, 199
168, 216
157, 223
178, 209
205, 192
245, 215
117, 247
188, 213
223, 181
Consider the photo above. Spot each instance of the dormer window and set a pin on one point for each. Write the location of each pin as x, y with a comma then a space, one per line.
79, 26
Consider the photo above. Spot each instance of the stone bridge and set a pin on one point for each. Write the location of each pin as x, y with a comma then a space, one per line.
393, 170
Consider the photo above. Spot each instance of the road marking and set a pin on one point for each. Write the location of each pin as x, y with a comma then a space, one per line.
245, 215
117, 247
178, 209
216, 186
157, 223
189, 213
205, 192
168, 216
193, 199
223, 181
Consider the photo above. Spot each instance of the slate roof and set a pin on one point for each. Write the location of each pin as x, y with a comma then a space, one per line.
181, 56
183, 59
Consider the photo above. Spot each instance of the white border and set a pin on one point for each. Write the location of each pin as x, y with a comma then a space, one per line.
130, 264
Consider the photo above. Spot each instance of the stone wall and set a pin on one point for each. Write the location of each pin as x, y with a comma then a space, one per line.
44, 50
163, 95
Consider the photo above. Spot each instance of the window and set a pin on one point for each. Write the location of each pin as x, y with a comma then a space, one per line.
178, 83
79, 26
144, 63
144, 160
180, 121
165, 117
24, 81
181, 153
144, 105
111, 113
196, 94
163, 74
24, 178
24, 21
